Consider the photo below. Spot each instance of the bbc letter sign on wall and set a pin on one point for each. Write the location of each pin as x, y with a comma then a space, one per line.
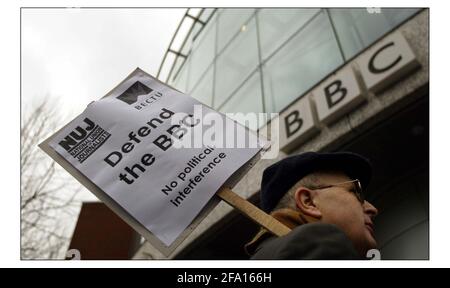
380, 66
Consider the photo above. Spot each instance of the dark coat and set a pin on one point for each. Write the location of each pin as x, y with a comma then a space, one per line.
315, 241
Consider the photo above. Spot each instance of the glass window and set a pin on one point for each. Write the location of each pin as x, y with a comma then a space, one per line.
247, 99
206, 14
203, 91
183, 29
199, 38
202, 54
176, 67
194, 11
230, 23
396, 16
357, 28
165, 69
180, 80
277, 25
195, 30
190, 39
236, 62
301, 63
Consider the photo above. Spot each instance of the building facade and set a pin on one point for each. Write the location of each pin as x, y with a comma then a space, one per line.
340, 79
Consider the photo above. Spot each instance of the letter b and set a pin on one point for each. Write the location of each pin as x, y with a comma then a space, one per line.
293, 123
336, 95
163, 142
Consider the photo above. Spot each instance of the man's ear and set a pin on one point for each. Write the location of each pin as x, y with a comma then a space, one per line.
304, 199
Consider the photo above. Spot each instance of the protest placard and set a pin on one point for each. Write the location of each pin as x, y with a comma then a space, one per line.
155, 156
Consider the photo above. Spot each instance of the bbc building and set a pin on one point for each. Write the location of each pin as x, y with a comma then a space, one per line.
341, 80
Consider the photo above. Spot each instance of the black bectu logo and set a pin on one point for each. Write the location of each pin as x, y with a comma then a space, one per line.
84, 140
131, 95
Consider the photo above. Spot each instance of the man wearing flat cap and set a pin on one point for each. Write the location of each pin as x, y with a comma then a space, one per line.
320, 197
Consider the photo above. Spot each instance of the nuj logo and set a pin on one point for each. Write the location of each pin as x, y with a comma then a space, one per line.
84, 140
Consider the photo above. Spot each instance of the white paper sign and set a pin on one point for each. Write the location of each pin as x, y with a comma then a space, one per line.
128, 145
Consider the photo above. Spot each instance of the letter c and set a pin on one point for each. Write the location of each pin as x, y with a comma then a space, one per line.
376, 70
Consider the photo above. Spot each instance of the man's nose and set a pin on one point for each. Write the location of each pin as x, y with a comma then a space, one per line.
370, 209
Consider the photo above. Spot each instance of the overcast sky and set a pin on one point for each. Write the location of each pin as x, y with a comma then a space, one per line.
78, 55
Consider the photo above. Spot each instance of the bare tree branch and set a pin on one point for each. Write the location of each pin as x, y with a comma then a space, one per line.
47, 193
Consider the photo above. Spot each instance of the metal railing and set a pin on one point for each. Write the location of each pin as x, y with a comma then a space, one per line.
190, 19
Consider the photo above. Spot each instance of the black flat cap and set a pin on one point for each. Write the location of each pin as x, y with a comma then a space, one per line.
280, 177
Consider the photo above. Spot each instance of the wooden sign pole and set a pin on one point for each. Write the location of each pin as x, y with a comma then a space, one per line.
253, 212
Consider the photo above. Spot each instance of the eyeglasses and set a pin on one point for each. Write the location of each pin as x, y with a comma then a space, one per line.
357, 188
